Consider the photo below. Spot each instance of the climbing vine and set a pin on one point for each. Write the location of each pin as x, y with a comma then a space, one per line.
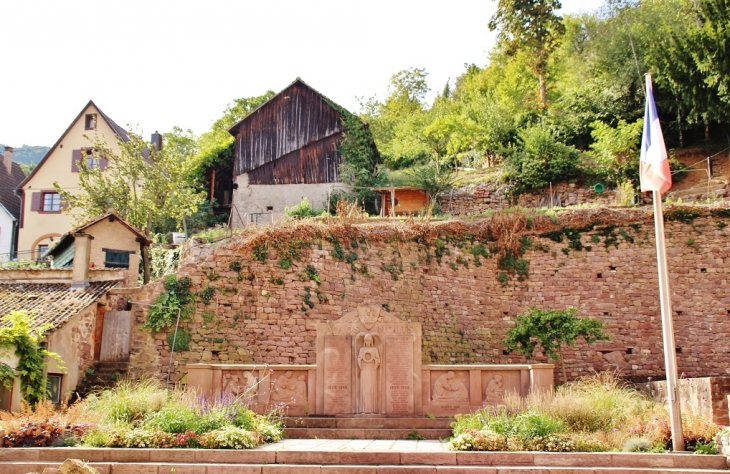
26, 341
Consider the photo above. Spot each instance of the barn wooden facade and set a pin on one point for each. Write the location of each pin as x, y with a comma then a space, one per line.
285, 151
291, 139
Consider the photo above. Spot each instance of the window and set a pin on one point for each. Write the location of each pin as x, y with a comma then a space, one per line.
90, 122
51, 202
116, 258
90, 160
54, 388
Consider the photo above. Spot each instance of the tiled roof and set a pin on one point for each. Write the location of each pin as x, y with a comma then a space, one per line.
8, 183
52, 303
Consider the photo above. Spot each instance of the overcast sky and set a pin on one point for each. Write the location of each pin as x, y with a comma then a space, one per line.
154, 64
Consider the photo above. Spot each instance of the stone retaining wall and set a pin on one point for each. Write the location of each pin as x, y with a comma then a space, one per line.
489, 196
262, 313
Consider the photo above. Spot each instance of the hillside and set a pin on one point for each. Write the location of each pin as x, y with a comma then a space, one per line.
28, 154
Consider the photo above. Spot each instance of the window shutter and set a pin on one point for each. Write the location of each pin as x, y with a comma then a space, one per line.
75, 158
35, 201
103, 163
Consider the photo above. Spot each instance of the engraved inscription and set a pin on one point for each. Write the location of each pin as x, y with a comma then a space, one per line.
399, 374
337, 374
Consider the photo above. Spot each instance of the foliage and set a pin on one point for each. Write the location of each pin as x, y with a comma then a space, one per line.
532, 27
163, 261
143, 414
433, 180
301, 210
170, 304
613, 149
551, 328
24, 264
541, 159
25, 339
596, 413
181, 340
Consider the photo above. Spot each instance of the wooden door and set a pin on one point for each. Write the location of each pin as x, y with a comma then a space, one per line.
115, 339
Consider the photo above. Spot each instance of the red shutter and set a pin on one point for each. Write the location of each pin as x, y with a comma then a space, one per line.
35, 201
103, 163
75, 158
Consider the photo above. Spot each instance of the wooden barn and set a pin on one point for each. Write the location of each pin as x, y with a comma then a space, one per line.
285, 150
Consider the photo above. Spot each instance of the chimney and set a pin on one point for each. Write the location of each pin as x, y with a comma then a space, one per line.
8, 159
82, 258
156, 140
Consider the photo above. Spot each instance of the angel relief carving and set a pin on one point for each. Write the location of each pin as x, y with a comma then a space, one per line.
368, 361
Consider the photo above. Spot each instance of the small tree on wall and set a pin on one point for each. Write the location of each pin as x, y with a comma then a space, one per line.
551, 328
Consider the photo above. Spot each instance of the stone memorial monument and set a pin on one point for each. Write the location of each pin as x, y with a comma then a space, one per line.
369, 363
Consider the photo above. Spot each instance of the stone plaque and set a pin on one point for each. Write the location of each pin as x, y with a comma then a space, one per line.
399, 375
337, 374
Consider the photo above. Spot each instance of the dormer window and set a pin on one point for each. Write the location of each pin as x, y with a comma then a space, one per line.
90, 122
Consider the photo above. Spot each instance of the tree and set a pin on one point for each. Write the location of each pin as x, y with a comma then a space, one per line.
540, 159
143, 184
530, 26
432, 180
551, 328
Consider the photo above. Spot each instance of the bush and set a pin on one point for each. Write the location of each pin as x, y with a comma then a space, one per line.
230, 437
540, 159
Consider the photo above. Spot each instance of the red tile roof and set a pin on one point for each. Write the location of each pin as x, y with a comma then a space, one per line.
52, 303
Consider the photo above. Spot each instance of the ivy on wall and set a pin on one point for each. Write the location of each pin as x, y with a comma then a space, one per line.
26, 342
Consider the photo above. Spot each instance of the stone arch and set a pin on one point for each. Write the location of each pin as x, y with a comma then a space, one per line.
34, 254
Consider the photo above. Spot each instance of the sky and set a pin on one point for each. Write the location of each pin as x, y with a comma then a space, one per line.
155, 64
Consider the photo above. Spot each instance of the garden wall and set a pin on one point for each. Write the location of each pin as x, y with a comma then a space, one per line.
489, 196
255, 310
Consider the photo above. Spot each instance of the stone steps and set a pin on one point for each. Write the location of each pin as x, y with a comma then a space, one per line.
212, 468
354, 457
716, 189
368, 428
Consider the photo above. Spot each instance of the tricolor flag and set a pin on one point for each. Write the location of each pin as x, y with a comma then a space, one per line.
654, 173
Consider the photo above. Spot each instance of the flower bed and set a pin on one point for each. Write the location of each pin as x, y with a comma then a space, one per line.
143, 415
597, 413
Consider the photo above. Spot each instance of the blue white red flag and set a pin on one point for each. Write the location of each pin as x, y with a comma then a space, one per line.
654, 173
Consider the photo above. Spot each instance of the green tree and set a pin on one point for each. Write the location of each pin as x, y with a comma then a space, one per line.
144, 185
433, 180
530, 26
614, 148
551, 328
540, 158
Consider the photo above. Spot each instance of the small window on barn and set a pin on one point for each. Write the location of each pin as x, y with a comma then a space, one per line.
116, 258
90, 122
269, 208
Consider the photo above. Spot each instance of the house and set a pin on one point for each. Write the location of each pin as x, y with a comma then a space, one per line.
11, 175
116, 244
41, 219
285, 150
402, 200
83, 310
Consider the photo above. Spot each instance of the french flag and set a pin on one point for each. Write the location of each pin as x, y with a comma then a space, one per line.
654, 173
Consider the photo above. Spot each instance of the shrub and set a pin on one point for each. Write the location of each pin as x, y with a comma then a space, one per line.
474, 440
229, 437
541, 159
636, 444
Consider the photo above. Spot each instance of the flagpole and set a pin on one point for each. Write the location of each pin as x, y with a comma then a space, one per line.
670, 352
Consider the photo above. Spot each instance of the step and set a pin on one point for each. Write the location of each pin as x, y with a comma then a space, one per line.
367, 434
368, 422
353, 456
212, 468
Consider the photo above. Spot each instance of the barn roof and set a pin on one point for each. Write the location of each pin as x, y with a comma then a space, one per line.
234, 129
